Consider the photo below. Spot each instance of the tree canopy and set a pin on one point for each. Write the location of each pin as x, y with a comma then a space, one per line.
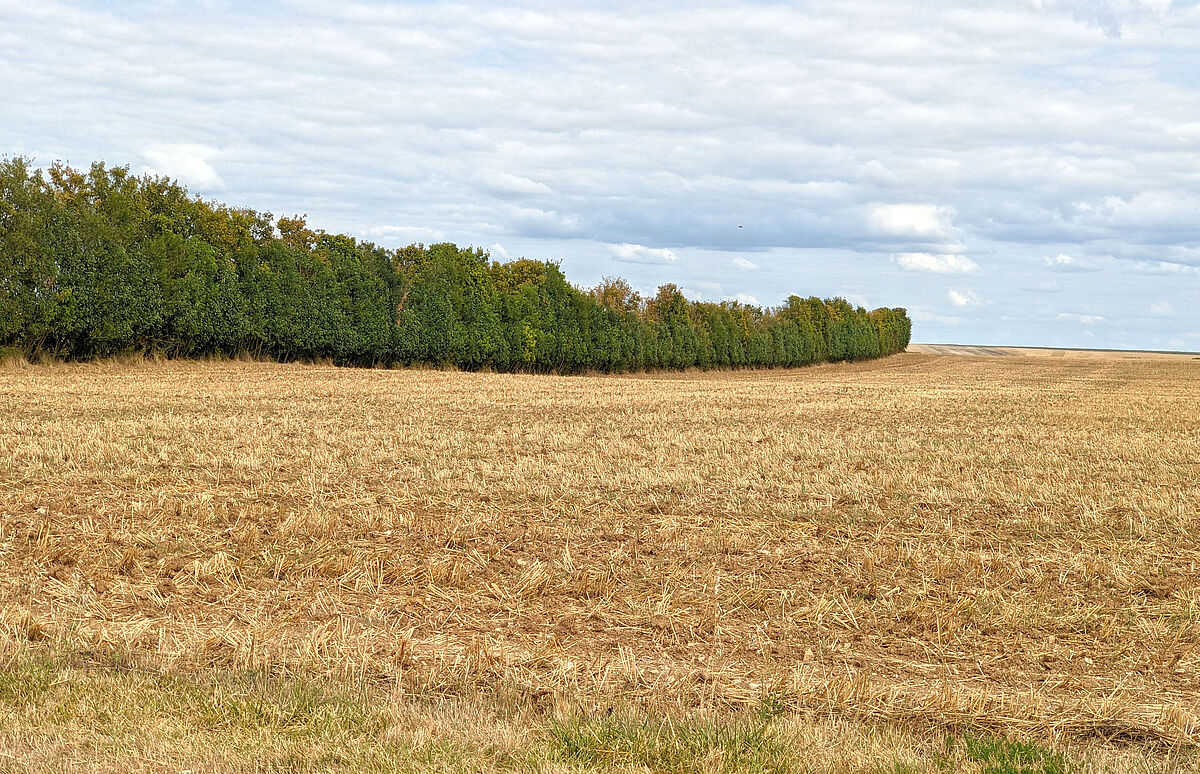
104, 262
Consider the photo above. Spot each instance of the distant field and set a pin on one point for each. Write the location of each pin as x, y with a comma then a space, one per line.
1093, 354
922, 563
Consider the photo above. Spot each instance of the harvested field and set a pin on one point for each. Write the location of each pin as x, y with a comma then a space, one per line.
861, 559
1090, 354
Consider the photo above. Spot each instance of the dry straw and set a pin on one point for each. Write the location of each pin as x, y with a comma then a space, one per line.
954, 542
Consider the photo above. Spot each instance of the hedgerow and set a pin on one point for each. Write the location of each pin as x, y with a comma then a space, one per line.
106, 262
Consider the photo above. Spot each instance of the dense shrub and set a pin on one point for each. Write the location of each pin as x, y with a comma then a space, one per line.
105, 262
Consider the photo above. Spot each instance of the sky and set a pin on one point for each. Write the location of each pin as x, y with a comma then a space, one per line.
1023, 173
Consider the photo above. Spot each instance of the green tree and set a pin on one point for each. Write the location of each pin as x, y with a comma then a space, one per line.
103, 261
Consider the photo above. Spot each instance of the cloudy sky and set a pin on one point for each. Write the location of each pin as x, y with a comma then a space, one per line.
1011, 172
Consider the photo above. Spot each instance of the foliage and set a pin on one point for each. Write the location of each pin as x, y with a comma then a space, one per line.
1004, 756
660, 744
103, 262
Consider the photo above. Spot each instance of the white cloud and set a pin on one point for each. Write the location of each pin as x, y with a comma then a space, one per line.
545, 223
922, 315
912, 221
1153, 209
186, 163
748, 300
497, 250
1162, 309
743, 264
1085, 319
505, 184
1164, 267
1043, 287
398, 234
936, 264
628, 253
709, 289
875, 172
963, 298
1067, 263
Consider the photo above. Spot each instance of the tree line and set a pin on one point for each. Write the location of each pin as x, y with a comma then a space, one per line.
105, 262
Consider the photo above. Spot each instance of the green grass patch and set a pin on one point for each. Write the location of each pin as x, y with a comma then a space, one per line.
1003, 756
741, 744
25, 681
